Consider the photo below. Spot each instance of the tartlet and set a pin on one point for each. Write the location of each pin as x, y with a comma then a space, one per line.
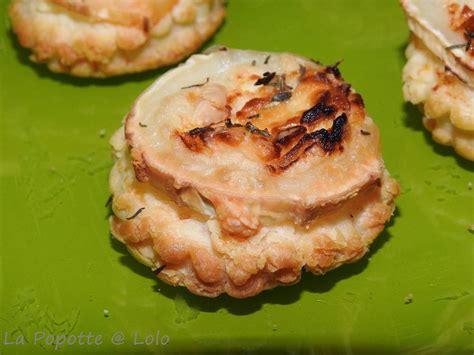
439, 74
239, 169
102, 38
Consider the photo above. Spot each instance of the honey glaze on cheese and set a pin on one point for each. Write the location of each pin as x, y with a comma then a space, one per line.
277, 123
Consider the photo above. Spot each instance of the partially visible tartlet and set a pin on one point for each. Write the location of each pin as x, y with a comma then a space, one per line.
101, 38
439, 74
238, 170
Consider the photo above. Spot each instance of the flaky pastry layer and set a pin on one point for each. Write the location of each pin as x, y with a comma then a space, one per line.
446, 101
197, 255
101, 38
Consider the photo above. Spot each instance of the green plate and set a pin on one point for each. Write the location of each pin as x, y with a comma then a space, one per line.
60, 269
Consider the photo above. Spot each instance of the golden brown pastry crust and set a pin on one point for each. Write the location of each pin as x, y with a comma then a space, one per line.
198, 256
101, 38
136, 13
199, 184
446, 101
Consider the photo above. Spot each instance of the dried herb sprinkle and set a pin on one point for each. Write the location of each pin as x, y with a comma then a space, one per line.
158, 270
257, 115
140, 210
109, 200
196, 85
281, 96
252, 129
265, 79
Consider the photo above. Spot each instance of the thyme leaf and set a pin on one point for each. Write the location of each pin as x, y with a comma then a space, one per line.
109, 200
200, 130
281, 96
159, 269
140, 210
229, 124
302, 70
461, 45
252, 129
266, 79
196, 85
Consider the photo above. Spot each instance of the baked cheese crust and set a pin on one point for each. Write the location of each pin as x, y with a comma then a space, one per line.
239, 169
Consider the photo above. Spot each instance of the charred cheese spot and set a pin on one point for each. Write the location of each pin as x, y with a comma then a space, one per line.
327, 140
146, 24
253, 107
231, 137
462, 20
321, 109
281, 141
286, 136
196, 138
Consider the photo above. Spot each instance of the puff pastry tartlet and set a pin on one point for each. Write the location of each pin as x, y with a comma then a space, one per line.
239, 169
101, 38
439, 74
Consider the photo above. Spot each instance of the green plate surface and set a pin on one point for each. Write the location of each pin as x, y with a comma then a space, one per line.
60, 269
